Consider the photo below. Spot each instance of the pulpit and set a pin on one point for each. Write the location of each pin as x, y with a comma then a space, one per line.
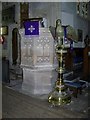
37, 61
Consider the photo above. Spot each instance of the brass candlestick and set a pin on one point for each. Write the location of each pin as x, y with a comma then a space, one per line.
60, 95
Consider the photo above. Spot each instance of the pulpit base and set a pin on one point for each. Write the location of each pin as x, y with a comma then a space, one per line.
37, 81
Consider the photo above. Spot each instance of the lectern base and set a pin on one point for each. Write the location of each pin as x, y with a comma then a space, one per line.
59, 97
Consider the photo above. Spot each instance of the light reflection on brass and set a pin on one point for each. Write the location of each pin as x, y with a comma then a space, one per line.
4, 30
0, 31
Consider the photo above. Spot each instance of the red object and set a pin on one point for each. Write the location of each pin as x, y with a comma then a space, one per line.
2, 38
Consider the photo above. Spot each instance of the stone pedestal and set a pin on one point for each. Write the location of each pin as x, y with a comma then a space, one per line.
37, 61
37, 81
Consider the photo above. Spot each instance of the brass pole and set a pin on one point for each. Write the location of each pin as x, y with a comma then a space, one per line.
60, 95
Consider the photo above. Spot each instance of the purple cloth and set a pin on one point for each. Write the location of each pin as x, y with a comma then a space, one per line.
31, 27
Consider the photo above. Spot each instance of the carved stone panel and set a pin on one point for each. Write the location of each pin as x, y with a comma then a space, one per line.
37, 51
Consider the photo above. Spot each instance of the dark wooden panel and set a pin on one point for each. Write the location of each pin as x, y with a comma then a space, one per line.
86, 63
24, 12
69, 60
14, 45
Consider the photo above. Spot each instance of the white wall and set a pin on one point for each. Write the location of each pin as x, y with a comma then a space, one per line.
51, 11
69, 16
67, 19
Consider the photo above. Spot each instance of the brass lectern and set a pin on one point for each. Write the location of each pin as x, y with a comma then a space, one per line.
61, 94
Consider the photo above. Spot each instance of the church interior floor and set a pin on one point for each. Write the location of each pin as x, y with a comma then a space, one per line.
18, 105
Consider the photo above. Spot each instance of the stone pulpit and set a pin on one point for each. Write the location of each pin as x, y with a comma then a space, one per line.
37, 61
